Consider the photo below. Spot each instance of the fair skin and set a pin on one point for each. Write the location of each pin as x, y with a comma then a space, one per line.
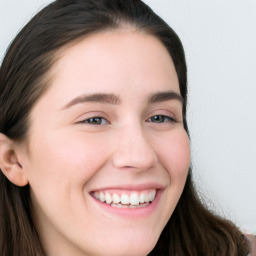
135, 146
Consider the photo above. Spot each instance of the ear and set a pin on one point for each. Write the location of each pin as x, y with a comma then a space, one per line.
9, 162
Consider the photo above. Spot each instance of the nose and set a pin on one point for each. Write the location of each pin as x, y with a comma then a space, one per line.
134, 150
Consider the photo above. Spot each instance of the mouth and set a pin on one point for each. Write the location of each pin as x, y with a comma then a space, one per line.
126, 199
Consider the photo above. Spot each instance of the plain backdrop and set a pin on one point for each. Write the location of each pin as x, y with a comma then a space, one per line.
219, 38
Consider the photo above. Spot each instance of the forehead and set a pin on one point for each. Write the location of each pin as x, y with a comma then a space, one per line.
120, 61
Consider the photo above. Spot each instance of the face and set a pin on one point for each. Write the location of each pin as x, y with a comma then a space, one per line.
108, 154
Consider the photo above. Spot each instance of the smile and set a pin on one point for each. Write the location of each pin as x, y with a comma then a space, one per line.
126, 199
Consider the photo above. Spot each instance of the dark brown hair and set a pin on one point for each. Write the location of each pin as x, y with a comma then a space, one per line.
192, 229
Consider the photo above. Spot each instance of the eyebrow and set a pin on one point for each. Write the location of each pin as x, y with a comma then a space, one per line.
97, 97
165, 96
115, 100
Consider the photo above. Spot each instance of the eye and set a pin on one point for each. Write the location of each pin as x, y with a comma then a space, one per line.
161, 119
97, 120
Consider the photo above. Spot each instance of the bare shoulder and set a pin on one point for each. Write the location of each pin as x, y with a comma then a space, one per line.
252, 243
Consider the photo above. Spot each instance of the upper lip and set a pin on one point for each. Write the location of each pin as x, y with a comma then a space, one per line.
131, 187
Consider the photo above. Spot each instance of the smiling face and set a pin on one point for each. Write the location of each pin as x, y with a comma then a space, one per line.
108, 153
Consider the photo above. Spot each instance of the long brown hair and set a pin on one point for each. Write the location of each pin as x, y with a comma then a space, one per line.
192, 229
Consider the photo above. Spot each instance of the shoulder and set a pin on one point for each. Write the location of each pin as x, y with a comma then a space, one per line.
251, 239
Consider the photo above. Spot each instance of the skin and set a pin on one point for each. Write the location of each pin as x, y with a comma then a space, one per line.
69, 158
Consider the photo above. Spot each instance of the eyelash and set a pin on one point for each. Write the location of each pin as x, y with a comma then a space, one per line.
98, 120
163, 118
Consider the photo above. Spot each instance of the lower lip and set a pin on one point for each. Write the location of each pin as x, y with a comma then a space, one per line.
132, 212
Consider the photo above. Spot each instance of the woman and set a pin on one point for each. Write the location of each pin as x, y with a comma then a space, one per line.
94, 147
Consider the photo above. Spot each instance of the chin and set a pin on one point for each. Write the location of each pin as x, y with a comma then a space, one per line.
131, 250
132, 246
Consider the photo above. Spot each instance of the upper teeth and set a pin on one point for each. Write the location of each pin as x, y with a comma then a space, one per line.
135, 198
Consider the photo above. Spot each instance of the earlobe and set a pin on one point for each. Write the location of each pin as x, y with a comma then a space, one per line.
9, 162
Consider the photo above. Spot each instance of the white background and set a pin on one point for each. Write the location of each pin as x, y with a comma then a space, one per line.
219, 38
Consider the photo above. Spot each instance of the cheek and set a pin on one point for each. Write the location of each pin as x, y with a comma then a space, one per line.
174, 153
65, 158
